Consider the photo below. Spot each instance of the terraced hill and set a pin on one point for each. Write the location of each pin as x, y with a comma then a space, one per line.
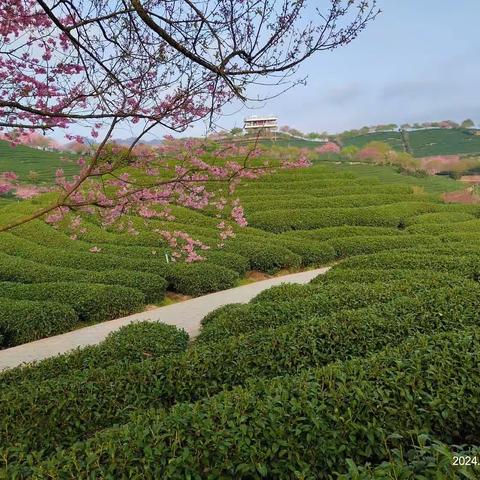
425, 143
23, 160
370, 371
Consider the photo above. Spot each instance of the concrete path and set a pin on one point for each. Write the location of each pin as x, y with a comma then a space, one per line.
186, 315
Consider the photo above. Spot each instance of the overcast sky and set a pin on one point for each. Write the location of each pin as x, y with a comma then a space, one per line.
419, 61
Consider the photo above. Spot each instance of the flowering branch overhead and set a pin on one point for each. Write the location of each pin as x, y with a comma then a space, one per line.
107, 64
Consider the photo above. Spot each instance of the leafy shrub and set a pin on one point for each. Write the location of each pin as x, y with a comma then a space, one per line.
200, 278
232, 261
317, 420
265, 257
328, 233
93, 303
136, 342
16, 269
311, 253
105, 396
340, 201
363, 245
23, 321
394, 215
440, 217
426, 458
365, 275
461, 265
286, 304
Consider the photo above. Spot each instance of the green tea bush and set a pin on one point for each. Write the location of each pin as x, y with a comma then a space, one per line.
265, 257
466, 266
394, 215
328, 191
232, 261
425, 458
93, 303
16, 269
345, 247
313, 422
286, 304
471, 226
70, 259
101, 397
200, 278
312, 253
136, 342
340, 201
23, 321
366, 275
329, 233
440, 217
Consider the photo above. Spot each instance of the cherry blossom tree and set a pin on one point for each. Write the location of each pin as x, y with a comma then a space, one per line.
329, 147
145, 64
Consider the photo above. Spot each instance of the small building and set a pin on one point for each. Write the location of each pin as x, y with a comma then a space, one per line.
261, 126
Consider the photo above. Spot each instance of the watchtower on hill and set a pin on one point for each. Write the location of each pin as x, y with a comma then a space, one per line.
260, 127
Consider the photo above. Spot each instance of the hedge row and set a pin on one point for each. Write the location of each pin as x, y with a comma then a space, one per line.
342, 201
328, 233
265, 257
471, 226
440, 217
345, 247
278, 221
200, 278
23, 321
306, 426
16, 269
43, 234
426, 458
92, 303
330, 191
366, 275
468, 266
32, 418
290, 303
136, 342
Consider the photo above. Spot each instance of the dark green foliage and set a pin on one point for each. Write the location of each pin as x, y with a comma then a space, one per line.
93, 303
286, 304
265, 257
24, 321
200, 278
33, 418
345, 247
278, 221
136, 342
16, 269
297, 424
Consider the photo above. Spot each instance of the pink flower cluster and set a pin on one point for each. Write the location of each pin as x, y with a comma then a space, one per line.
183, 246
329, 147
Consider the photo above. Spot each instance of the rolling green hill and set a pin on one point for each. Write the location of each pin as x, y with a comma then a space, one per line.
22, 160
424, 143
372, 367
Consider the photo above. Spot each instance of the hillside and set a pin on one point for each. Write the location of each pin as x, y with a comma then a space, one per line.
302, 378
424, 143
22, 160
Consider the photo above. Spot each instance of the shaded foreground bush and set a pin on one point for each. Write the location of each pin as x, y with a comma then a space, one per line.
290, 303
309, 424
136, 342
93, 303
16, 269
23, 321
33, 419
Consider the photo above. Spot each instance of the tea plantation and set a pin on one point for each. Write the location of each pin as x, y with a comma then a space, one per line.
371, 371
